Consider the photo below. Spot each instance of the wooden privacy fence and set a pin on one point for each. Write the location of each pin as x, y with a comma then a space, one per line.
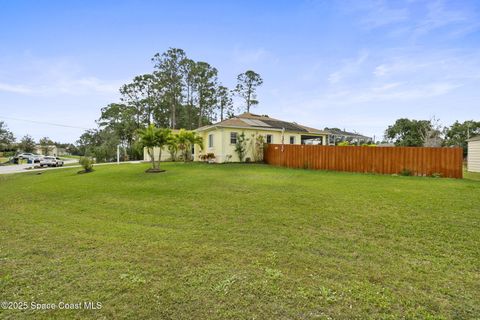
420, 161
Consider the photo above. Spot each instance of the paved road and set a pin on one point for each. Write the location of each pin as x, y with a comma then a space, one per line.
24, 167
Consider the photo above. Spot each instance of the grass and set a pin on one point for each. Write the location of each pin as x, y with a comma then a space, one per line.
69, 157
471, 175
240, 242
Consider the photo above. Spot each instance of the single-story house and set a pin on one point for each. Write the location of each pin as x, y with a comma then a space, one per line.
52, 150
337, 135
473, 155
220, 138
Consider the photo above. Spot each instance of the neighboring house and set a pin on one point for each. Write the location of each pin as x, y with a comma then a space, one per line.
52, 150
220, 138
337, 135
473, 155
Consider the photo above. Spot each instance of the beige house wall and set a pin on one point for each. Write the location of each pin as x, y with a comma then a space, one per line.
473, 158
225, 151
165, 154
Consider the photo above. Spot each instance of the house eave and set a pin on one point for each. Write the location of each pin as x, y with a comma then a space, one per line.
211, 127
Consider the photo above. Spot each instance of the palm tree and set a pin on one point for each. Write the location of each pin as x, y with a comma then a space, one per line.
148, 140
163, 136
183, 143
195, 139
172, 146
151, 138
186, 139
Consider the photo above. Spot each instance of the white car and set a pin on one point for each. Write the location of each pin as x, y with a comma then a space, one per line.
24, 155
49, 161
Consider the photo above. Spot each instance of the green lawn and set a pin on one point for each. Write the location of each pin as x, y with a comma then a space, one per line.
471, 175
240, 241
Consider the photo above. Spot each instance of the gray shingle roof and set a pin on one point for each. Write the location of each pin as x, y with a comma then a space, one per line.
250, 120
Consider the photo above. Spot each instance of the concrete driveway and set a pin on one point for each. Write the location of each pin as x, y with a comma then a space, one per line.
18, 168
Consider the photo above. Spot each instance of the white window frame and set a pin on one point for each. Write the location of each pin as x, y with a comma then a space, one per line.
236, 137
271, 138
210, 140
292, 140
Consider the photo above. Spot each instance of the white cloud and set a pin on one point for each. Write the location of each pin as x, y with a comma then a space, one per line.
438, 16
393, 92
15, 88
380, 70
41, 77
81, 86
414, 18
349, 68
379, 14
250, 55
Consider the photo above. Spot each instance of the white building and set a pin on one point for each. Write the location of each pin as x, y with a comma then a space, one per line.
473, 160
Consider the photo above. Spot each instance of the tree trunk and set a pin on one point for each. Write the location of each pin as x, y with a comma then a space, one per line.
200, 116
159, 157
152, 158
249, 97
173, 112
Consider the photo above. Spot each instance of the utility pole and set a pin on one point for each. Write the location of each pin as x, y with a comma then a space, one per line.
118, 154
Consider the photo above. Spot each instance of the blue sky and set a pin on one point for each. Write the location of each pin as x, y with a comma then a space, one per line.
357, 65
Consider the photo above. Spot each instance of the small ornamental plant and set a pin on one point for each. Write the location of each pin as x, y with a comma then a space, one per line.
87, 164
211, 158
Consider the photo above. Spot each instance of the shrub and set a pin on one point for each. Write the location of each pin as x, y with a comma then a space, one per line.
210, 157
258, 147
241, 146
86, 163
406, 172
343, 144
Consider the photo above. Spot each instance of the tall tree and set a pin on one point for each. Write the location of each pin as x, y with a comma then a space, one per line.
168, 71
6, 136
205, 84
121, 120
408, 133
188, 114
143, 95
432, 133
46, 145
247, 84
459, 132
101, 144
224, 102
87, 141
27, 144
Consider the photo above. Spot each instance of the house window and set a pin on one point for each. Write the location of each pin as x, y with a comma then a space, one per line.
210, 140
233, 137
292, 139
269, 138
